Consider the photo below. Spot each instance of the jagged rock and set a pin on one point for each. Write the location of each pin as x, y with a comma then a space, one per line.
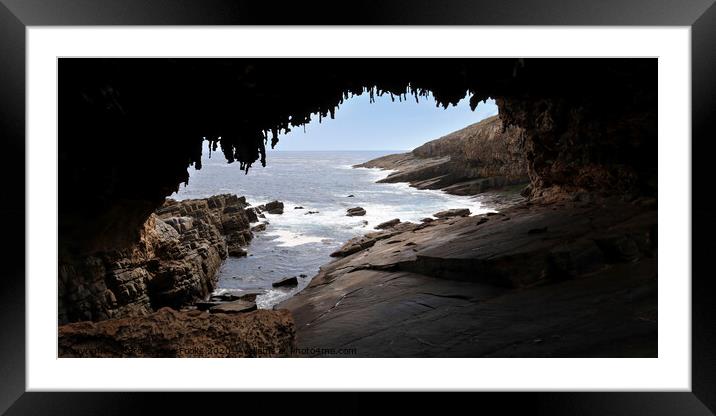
351, 196
174, 263
456, 212
388, 224
258, 228
273, 207
355, 212
169, 333
237, 306
297, 207
237, 252
252, 215
286, 281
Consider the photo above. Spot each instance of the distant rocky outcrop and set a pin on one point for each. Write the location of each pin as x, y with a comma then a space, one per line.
171, 333
174, 263
273, 207
355, 212
470, 161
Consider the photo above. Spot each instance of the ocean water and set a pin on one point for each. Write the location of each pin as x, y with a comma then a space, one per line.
295, 243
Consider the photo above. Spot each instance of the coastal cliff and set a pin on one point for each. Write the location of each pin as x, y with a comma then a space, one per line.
480, 157
174, 263
138, 302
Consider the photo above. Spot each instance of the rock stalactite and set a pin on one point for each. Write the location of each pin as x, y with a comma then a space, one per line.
129, 128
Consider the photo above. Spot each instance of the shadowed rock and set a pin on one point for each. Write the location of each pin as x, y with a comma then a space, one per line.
258, 228
237, 306
286, 281
273, 207
174, 263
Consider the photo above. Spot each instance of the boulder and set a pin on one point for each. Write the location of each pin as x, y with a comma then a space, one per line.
273, 207
311, 212
456, 212
259, 227
388, 224
237, 252
286, 281
355, 212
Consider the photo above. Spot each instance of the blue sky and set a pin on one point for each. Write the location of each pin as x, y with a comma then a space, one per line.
384, 125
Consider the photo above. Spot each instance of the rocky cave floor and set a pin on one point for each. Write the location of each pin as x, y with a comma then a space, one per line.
568, 279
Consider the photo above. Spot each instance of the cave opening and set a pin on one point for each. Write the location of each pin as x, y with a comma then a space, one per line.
580, 133
340, 150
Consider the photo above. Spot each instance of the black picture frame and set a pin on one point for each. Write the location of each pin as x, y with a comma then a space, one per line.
16, 15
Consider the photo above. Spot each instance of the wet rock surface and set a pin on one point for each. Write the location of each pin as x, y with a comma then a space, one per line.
580, 277
355, 212
286, 281
170, 333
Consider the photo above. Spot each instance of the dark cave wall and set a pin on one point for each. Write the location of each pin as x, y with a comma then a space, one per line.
130, 128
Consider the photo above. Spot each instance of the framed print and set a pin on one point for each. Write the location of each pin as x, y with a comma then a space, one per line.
219, 196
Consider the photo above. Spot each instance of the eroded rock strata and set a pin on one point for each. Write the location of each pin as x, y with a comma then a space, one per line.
174, 263
480, 157
566, 279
